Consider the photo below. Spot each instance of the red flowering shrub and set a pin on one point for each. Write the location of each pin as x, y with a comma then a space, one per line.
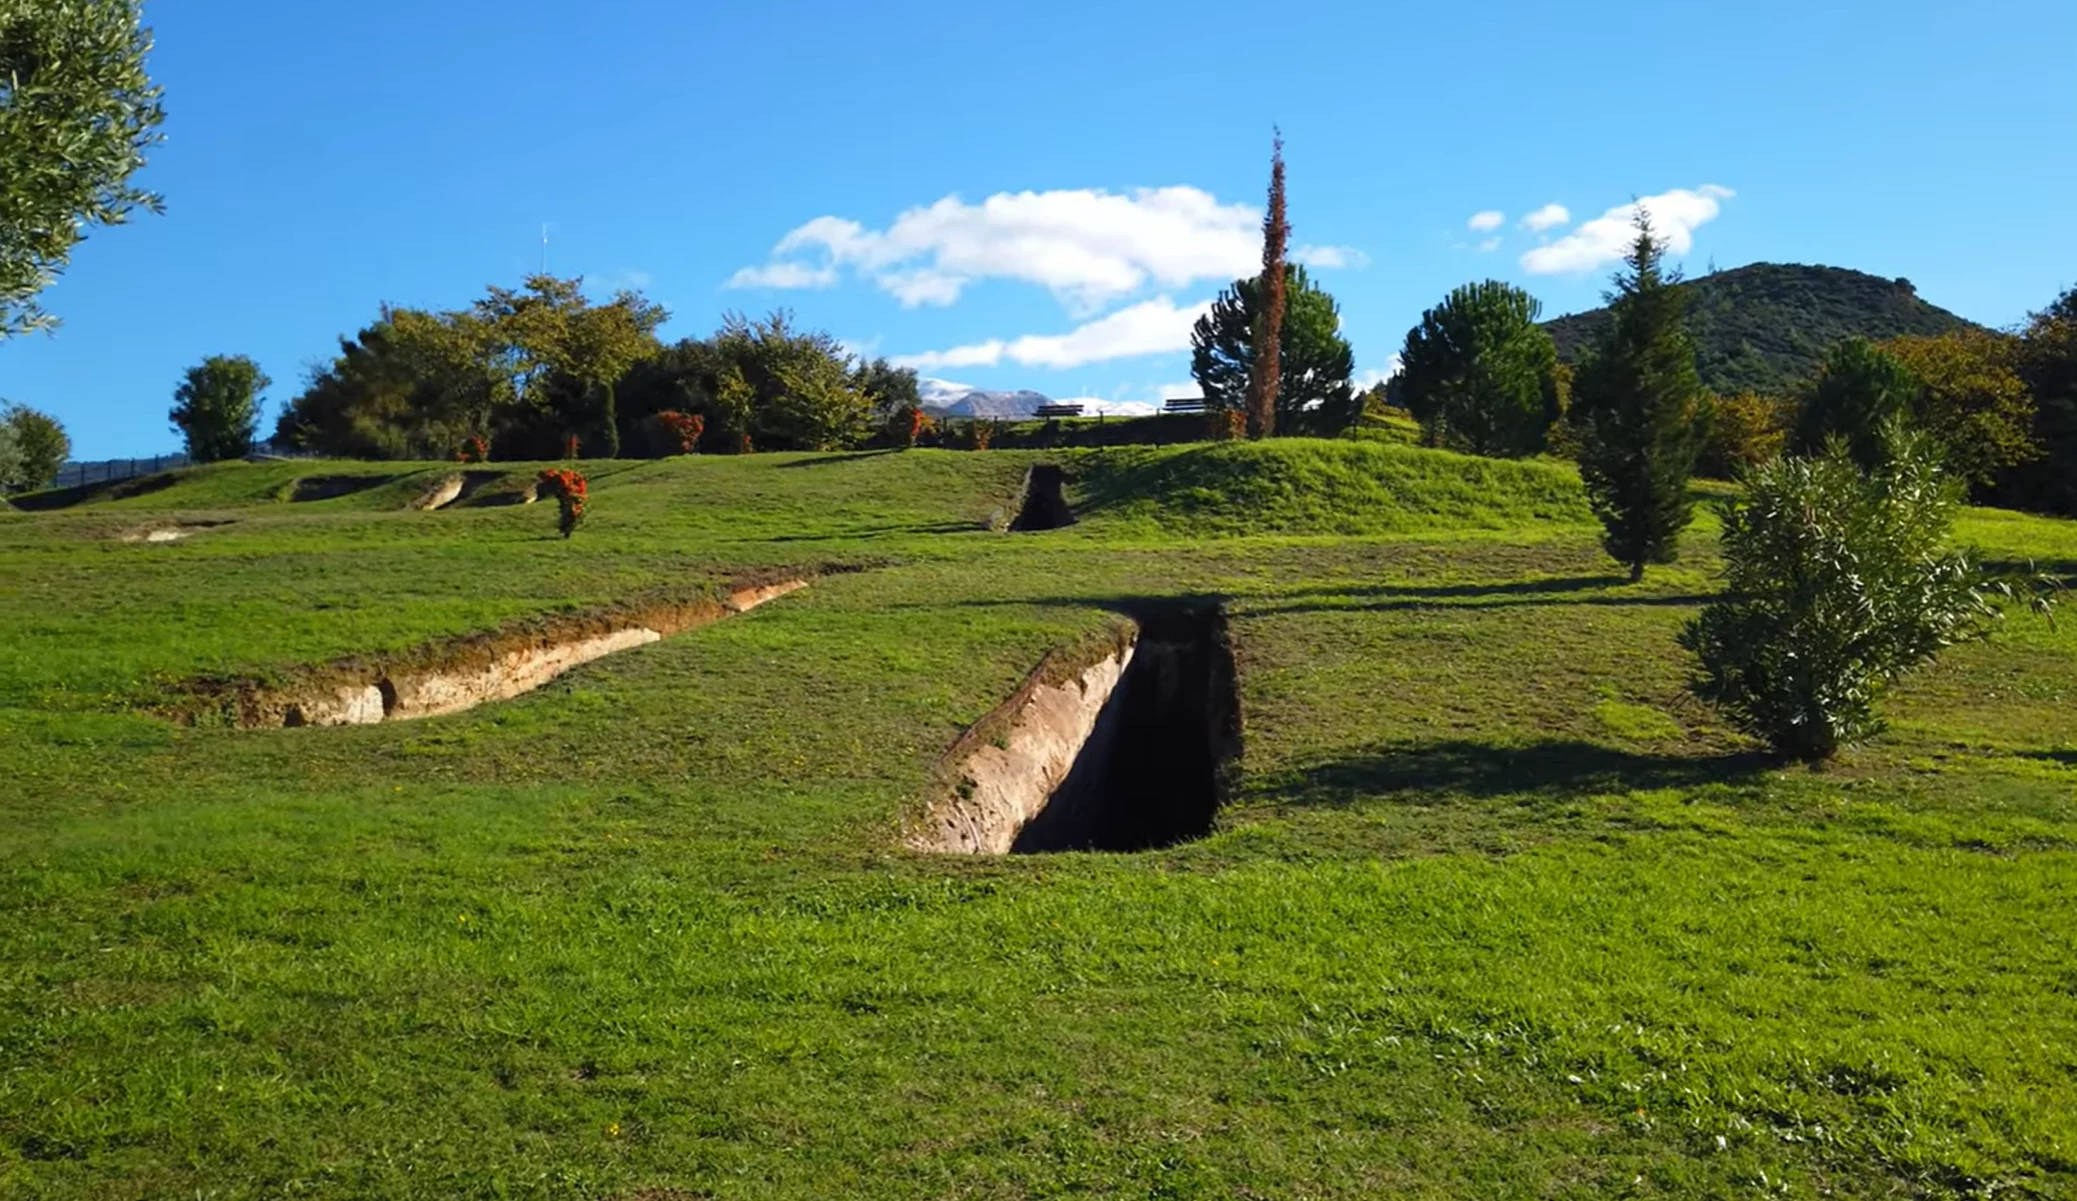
570, 447
684, 429
475, 450
571, 491
907, 425
743, 445
1225, 425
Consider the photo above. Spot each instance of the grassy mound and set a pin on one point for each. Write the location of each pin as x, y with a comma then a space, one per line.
1312, 486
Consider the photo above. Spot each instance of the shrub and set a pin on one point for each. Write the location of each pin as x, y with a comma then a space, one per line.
473, 450
681, 430
907, 425
1740, 432
1225, 425
571, 491
1838, 581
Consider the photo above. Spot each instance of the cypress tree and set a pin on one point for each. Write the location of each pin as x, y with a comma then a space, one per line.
1636, 402
1265, 371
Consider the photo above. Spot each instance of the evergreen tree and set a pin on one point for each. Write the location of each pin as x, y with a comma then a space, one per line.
1861, 396
1314, 361
1479, 374
1636, 403
1263, 372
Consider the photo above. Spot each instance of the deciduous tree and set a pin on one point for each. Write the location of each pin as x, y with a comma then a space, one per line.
2047, 362
1971, 399
77, 115
1635, 403
38, 445
217, 407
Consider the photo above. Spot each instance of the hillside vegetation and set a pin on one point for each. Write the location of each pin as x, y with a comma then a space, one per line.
1764, 327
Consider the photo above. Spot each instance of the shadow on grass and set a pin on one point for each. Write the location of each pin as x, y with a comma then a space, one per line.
65, 498
1481, 769
2062, 571
884, 531
833, 460
1385, 597
2066, 758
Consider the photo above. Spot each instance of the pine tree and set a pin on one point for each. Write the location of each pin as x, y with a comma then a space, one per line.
1636, 403
1264, 372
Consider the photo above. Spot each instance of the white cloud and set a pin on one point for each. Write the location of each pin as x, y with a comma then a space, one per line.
1366, 380
784, 275
1328, 258
1151, 327
1549, 217
1675, 216
1486, 221
1089, 247
1489, 245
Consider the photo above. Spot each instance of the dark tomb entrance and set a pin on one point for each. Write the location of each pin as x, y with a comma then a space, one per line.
1044, 507
1158, 764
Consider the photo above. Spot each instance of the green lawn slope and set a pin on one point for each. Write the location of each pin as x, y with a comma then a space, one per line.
1495, 910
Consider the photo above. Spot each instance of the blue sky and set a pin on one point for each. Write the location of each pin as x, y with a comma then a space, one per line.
322, 160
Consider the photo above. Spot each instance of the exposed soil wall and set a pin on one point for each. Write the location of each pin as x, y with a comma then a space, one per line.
1133, 751
464, 673
1003, 784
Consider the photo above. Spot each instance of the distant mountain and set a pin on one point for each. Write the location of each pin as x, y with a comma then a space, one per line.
1764, 327
949, 399
1006, 406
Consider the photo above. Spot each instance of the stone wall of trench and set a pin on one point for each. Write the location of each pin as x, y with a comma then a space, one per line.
401, 694
999, 787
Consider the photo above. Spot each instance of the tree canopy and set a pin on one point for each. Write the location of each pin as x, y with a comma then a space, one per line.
2046, 359
1860, 396
217, 407
1314, 362
1971, 399
1479, 374
77, 115
33, 446
527, 368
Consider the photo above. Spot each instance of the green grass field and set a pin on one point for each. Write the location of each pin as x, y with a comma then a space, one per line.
1496, 911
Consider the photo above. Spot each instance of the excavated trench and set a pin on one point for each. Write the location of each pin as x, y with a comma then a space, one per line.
1044, 506
1133, 752
468, 672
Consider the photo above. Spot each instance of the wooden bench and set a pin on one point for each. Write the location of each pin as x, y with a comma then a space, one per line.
1059, 410
1186, 404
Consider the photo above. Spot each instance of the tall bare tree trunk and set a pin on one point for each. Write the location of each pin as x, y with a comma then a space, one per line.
1265, 370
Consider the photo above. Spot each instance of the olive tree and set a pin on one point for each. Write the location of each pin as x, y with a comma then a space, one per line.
77, 115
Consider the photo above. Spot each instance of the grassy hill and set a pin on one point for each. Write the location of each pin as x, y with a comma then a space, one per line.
1764, 327
1494, 910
